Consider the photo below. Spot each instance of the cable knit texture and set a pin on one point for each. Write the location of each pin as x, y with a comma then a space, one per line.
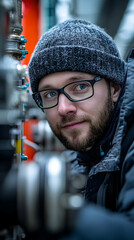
76, 45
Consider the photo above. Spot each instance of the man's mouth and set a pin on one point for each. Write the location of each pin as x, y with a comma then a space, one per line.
72, 125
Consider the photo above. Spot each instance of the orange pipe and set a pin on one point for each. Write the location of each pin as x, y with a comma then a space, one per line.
31, 23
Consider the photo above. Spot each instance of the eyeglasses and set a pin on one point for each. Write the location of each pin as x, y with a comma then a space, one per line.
75, 91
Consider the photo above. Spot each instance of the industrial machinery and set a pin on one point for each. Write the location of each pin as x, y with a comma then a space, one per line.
33, 195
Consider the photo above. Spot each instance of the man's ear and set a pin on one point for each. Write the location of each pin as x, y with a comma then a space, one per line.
115, 91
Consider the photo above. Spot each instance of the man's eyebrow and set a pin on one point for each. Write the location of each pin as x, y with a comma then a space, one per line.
80, 76
45, 87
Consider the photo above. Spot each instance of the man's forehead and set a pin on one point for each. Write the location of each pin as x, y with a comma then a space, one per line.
63, 77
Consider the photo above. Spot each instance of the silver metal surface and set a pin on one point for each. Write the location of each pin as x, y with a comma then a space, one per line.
28, 195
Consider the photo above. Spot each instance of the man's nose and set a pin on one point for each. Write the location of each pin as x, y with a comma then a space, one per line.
65, 106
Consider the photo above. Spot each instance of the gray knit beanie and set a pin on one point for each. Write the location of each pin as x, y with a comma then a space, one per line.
76, 45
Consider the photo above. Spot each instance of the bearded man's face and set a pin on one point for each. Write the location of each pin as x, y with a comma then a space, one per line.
79, 125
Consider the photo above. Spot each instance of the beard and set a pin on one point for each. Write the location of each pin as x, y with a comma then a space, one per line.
94, 134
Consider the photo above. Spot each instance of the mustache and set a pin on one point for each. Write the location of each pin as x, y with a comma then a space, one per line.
73, 118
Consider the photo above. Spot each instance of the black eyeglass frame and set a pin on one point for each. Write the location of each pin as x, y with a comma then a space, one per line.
61, 90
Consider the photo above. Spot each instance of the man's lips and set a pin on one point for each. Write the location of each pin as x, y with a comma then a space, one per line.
72, 125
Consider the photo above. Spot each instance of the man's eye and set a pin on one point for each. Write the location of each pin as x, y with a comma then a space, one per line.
49, 95
81, 86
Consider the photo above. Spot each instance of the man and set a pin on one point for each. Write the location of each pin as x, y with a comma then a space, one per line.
79, 80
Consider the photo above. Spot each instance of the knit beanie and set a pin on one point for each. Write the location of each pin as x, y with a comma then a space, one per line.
76, 45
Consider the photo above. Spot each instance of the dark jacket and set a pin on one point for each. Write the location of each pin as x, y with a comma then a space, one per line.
109, 209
